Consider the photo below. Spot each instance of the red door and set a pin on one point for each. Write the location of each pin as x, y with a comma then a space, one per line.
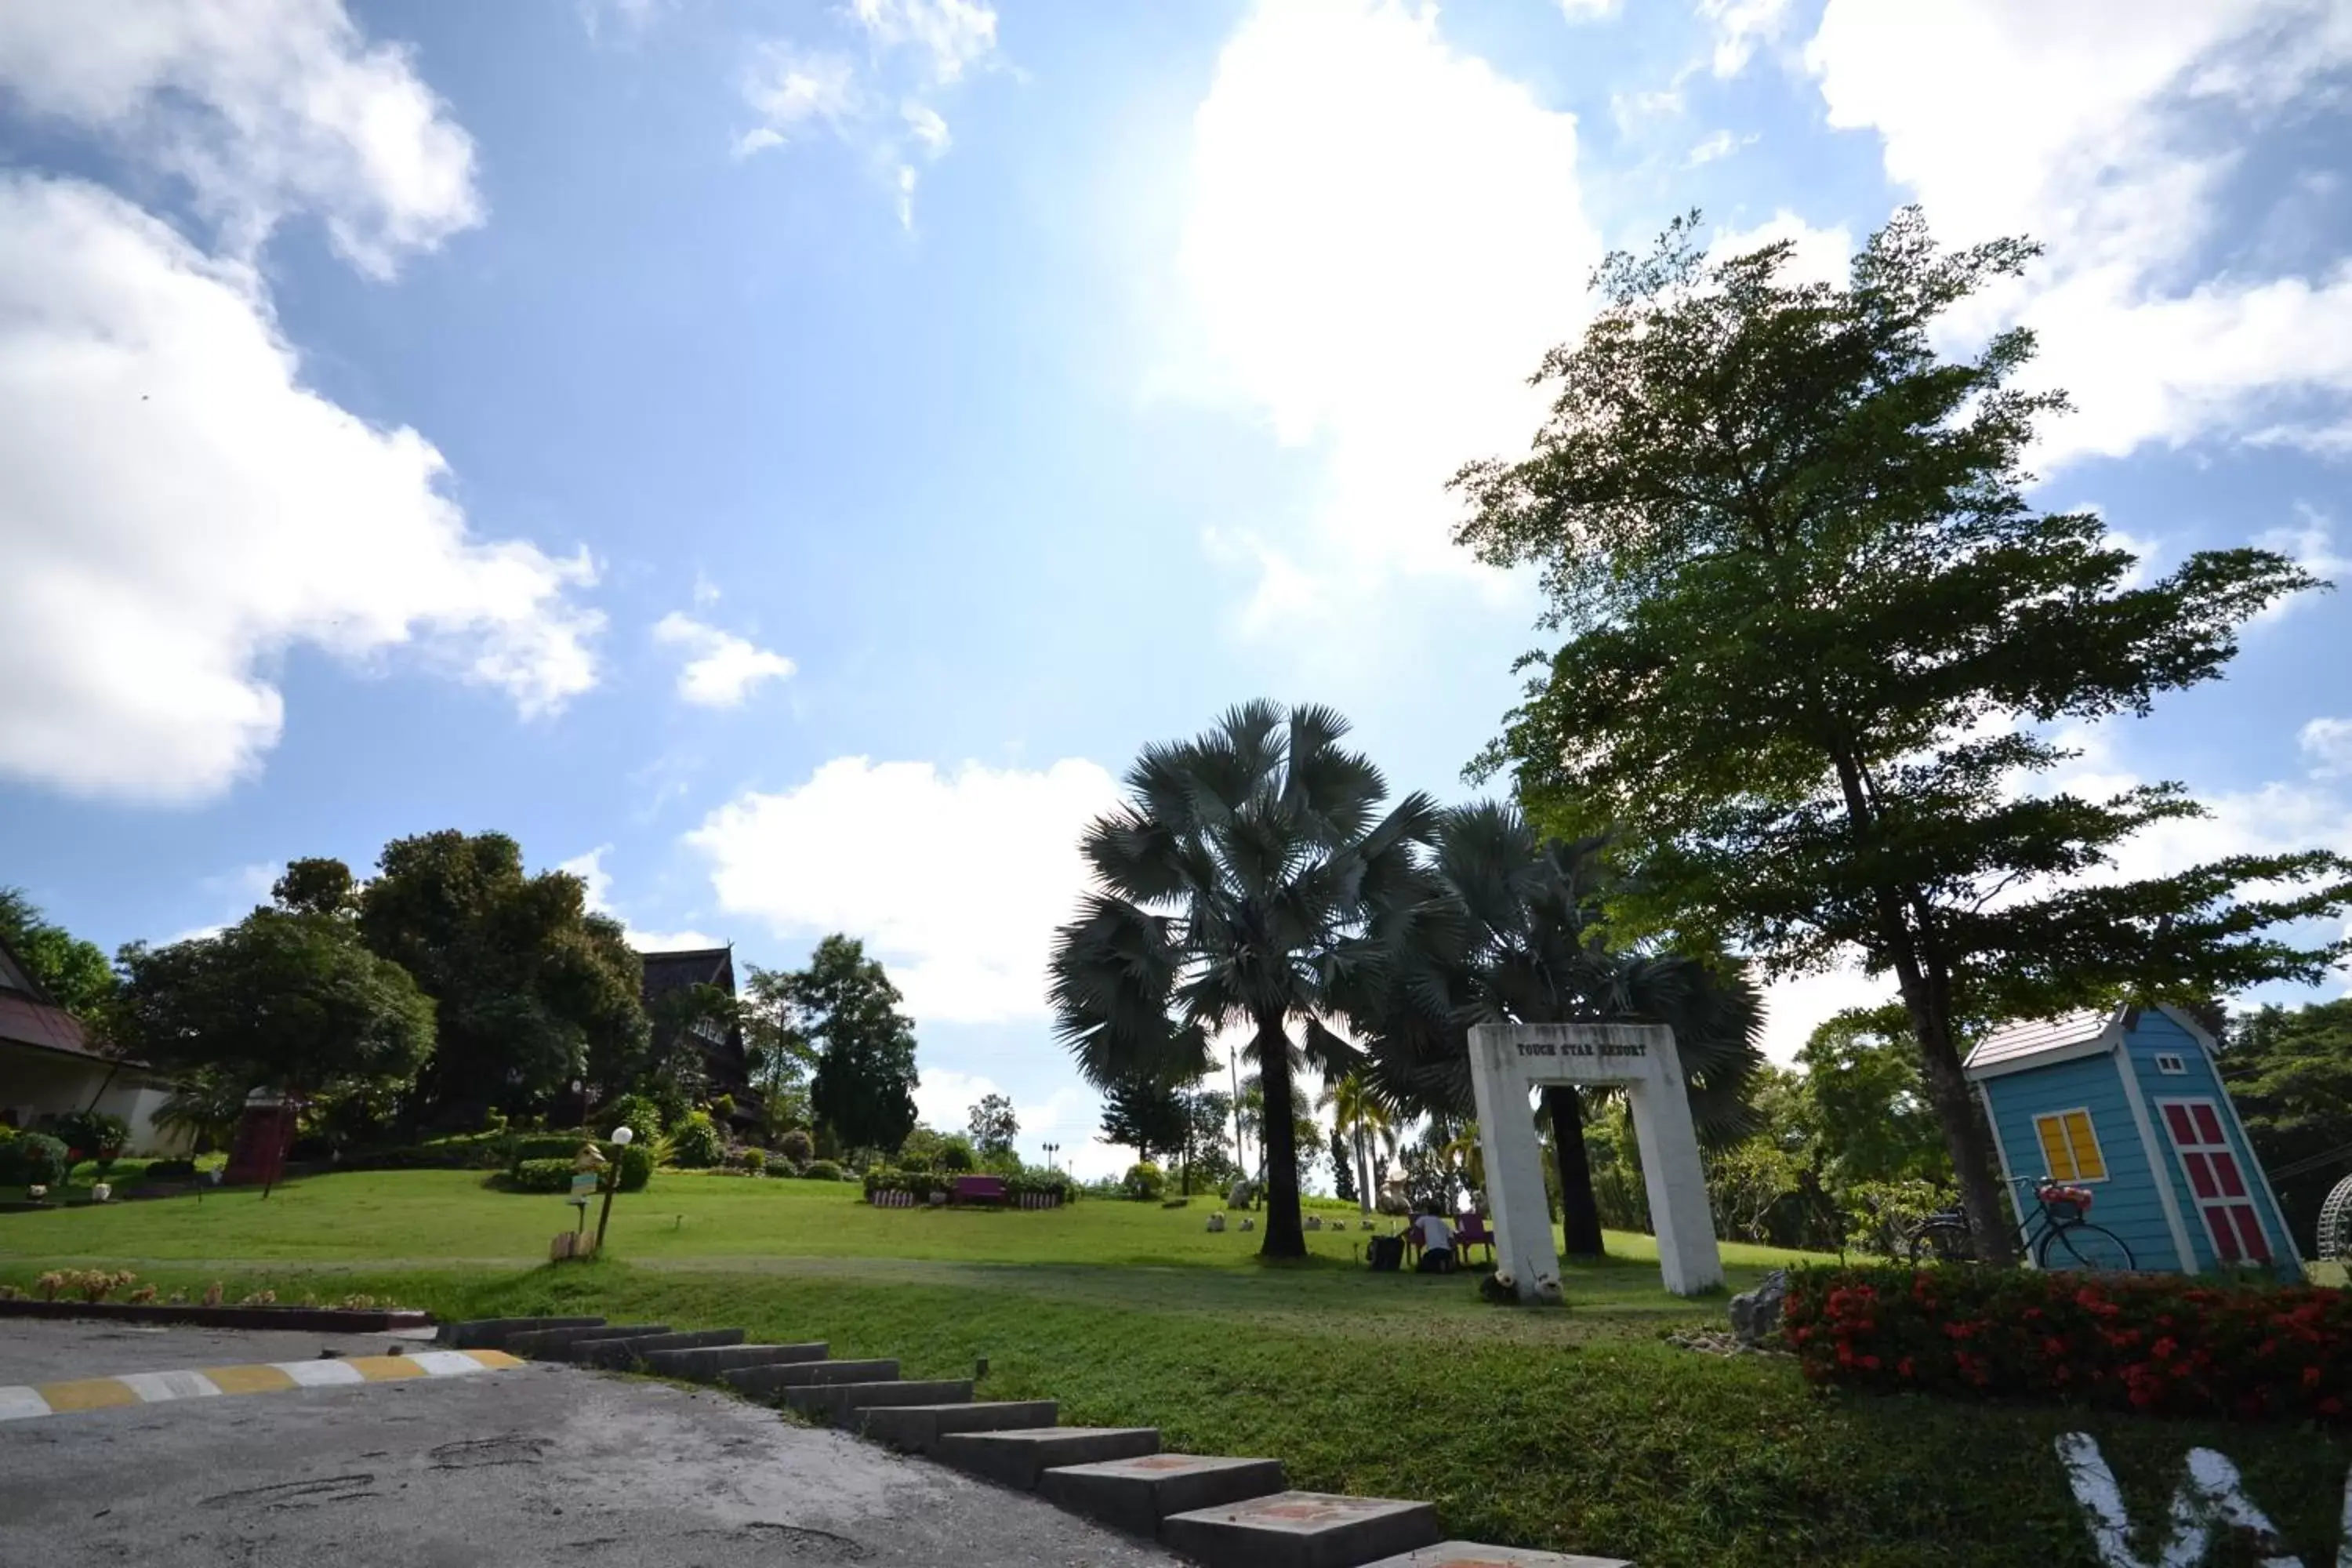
2223, 1197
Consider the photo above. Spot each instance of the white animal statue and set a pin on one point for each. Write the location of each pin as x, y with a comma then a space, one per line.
1216, 1223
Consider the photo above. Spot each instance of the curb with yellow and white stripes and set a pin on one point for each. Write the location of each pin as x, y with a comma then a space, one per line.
27, 1401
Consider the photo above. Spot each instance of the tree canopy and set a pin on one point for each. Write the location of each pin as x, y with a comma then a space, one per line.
280, 1000
73, 972
533, 989
993, 1125
845, 1008
2290, 1072
1817, 638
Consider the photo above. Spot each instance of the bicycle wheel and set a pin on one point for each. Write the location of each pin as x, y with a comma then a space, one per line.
1942, 1241
2087, 1248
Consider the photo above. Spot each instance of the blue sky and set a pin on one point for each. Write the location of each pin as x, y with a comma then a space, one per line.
781, 459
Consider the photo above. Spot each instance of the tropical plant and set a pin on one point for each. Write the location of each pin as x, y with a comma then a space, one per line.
1518, 938
1250, 882
1359, 1108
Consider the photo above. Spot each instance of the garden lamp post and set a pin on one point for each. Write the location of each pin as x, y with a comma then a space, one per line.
622, 1136
580, 1092
1051, 1150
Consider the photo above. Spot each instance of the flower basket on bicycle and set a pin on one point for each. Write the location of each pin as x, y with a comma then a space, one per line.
2065, 1204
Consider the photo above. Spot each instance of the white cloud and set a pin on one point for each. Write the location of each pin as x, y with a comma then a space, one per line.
955, 879
1722, 144
590, 868
1382, 236
2310, 543
622, 21
948, 36
2327, 742
1821, 255
1589, 10
1794, 1009
789, 86
883, 107
265, 108
2112, 138
177, 510
722, 669
1740, 28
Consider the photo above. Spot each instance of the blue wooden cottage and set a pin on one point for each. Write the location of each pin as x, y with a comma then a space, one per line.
2128, 1103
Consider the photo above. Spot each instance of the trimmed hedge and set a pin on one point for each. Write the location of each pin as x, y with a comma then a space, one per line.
32, 1159
555, 1176
2154, 1344
820, 1171
170, 1171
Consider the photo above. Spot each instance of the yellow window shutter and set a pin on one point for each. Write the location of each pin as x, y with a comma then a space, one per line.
2055, 1155
2090, 1165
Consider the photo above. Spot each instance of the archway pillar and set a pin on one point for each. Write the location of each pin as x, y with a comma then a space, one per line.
1507, 1061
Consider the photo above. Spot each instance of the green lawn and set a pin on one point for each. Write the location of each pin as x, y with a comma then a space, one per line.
1575, 1430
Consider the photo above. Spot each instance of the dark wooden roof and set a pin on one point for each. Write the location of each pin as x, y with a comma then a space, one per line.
29, 1017
693, 966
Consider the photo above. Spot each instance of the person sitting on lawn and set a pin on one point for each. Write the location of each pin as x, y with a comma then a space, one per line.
1437, 1244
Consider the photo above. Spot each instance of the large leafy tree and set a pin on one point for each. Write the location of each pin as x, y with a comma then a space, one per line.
1517, 936
846, 1009
280, 1000
775, 1047
2290, 1072
1870, 1111
993, 1125
533, 988
1249, 882
72, 971
1816, 634
1146, 1115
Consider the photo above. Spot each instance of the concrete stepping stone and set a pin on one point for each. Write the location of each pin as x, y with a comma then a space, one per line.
705, 1364
918, 1429
1302, 1529
1016, 1458
1470, 1554
566, 1344
492, 1333
775, 1377
1137, 1494
838, 1400
628, 1353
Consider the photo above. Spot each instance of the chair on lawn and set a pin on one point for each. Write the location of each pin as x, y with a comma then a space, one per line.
1471, 1230
980, 1190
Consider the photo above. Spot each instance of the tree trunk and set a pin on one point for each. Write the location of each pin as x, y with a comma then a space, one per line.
1277, 1141
1966, 1140
1580, 1211
1363, 1172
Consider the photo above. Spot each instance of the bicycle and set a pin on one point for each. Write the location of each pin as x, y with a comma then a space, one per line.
2065, 1239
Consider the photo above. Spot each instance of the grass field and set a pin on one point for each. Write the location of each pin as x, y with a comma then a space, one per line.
1575, 1430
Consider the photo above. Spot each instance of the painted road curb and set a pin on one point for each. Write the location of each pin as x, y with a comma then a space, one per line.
24, 1402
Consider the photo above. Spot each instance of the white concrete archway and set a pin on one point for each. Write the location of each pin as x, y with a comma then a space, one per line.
1507, 1061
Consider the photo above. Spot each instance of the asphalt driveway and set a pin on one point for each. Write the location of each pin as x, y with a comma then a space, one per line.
535, 1465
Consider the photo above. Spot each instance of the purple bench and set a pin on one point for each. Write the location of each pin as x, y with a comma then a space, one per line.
980, 1190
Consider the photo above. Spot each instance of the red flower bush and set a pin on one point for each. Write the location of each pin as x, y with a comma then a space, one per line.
2161, 1344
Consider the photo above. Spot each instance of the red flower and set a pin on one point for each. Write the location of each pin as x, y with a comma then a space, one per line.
1905, 1367
2162, 1350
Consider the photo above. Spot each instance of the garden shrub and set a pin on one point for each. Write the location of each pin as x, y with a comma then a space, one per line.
796, 1146
2161, 1344
171, 1170
89, 1135
754, 1162
914, 1162
722, 1107
1144, 1181
956, 1154
634, 1111
1039, 1179
33, 1159
822, 1171
696, 1143
538, 1176
519, 1147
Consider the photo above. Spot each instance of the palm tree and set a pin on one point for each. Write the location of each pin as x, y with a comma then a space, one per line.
1248, 881
1356, 1107
1521, 941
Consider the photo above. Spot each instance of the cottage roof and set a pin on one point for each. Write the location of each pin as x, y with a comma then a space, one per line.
2036, 1042
28, 1016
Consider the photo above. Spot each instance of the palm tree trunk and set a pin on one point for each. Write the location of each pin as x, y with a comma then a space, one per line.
1277, 1138
1363, 1170
1580, 1211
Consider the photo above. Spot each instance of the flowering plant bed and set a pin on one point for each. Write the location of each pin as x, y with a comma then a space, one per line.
2160, 1344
